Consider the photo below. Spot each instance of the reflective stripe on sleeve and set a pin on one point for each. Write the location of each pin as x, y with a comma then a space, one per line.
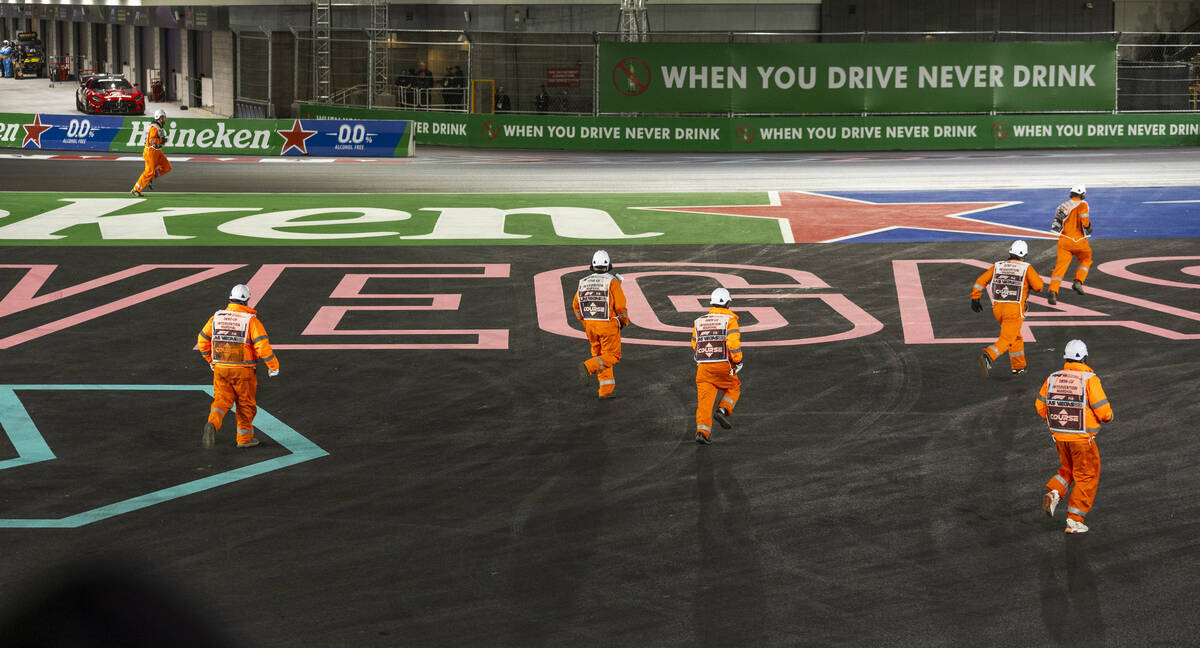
1100, 404
608, 382
268, 358
258, 339
205, 335
978, 287
1041, 398
1062, 481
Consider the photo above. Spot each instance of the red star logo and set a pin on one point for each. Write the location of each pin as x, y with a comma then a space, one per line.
816, 218
33, 132
295, 139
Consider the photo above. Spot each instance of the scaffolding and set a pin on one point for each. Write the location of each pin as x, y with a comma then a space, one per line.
381, 73
322, 57
634, 25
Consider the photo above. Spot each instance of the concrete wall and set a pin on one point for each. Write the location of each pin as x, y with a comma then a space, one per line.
183, 91
549, 18
1157, 15
956, 15
222, 72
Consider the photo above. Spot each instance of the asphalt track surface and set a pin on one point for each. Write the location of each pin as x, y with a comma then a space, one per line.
872, 492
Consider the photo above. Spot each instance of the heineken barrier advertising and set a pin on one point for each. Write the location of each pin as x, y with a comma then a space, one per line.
62, 132
754, 134
856, 77
262, 137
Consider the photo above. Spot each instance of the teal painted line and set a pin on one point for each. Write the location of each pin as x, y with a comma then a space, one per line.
205, 388
28, 442
299, 447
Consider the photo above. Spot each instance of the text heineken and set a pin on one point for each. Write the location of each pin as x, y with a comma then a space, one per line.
204, 138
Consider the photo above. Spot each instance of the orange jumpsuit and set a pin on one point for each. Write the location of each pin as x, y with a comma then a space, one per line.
718, 346
599, 305
232, 341
156, 162
1074, 404
1008, 283
1069, 220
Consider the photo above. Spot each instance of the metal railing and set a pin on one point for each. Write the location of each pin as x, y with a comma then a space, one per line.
558, 73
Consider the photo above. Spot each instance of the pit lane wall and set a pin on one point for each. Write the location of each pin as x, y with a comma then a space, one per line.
760, 134
261, 137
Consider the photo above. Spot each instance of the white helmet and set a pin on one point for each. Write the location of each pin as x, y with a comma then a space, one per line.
159, 114
1079, 189
1075, 350
600, 260
720, 297
240, 293
1019, 248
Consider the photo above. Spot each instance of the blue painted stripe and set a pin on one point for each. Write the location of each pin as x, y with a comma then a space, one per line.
12, 411
28, 442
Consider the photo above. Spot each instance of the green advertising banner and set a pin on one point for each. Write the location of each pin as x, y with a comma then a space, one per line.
755, 134
856, 77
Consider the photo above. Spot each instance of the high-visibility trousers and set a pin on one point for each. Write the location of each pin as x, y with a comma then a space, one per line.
605, 338
1080, 467
156, 165
1010, 340
1067, 250
235, 385
712, 377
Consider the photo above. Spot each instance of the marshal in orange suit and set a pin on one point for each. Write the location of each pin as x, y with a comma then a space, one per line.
717, 343
1073, 226
599, 305
156, 162
1008, 283
232, 342
1074, 405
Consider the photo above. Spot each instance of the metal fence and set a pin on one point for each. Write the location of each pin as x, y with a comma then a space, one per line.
557, 73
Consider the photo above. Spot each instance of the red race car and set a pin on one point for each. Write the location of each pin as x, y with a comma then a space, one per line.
109, 94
